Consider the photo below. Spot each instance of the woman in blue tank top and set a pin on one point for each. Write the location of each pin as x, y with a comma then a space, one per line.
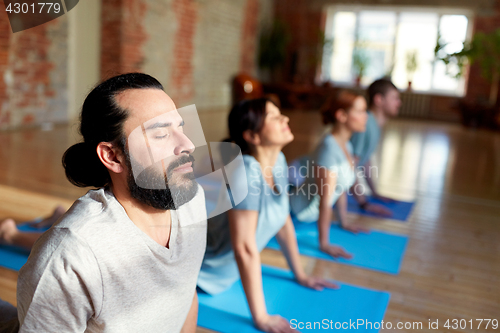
236, 238
330, 170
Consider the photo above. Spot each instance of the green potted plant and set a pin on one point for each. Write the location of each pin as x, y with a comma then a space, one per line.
272, 48
360, 62
484, 49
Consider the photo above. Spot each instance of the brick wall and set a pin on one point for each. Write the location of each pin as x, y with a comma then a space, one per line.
303, 19
248, 44
5, 36
486, 21
123, 36
186, 15
33, 67
194, 47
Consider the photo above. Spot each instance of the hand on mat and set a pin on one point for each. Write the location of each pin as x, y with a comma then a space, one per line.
317, 283
384, 198
378, 209
355, 229
274, 324
335, 251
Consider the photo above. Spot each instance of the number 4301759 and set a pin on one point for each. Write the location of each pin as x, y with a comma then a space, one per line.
454, 324
25, 8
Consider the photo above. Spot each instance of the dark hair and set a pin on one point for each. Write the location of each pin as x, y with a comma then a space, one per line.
381, 86
101, 120
342, 100
246, 115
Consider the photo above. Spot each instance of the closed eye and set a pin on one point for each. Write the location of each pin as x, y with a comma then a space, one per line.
161, 136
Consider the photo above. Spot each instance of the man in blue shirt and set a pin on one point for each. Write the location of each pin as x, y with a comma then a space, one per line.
383, 103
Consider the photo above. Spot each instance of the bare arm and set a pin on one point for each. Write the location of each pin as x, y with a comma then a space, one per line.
242, 225
369, 179
361, 197
192, 317
341, 209
288, 243
326, 181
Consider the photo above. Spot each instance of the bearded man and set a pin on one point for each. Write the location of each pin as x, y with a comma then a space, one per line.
126, 256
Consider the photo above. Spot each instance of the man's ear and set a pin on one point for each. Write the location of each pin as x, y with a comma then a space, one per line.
111, 156
251, 137
377, 99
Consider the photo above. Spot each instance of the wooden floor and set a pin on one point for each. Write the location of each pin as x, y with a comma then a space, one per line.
452, 265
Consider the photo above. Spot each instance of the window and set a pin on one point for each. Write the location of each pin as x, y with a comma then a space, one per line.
386, 41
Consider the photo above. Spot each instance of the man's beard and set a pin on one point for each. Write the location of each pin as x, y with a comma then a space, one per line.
179, 190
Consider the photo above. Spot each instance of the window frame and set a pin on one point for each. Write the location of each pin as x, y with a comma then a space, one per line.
331, 10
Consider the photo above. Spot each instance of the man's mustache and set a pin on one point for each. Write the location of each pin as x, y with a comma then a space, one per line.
180, 161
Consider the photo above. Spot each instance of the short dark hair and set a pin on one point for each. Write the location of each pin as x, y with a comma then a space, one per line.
101, 120
380, 86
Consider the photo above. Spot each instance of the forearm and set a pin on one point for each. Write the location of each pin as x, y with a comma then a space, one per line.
359, 196
249, 265
288, 242
192, 317
324, 221
341, 208
369, 179
359, 172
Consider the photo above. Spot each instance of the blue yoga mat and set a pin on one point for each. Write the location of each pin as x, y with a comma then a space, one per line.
400, 209
14, 257
377, 250
228, 312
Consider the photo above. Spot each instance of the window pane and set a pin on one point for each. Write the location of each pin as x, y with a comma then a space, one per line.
417, 32
453, 31
376, 37
344, 26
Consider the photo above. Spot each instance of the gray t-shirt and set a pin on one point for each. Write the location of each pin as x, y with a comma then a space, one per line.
96, 271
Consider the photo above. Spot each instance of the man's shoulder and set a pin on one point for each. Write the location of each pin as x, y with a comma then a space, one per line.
88, 212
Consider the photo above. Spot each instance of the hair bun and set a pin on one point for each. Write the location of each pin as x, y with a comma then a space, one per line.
83, 167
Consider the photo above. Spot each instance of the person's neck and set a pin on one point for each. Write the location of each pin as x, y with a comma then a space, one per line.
266, 156
156, 223
379, 115
341, 134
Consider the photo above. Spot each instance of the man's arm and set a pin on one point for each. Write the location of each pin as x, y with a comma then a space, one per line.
361, 197
341, 210
371, 184
192, 317
369, 179
358, 172
60, 287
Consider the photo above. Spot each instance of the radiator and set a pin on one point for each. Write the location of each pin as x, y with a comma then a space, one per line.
415, 105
